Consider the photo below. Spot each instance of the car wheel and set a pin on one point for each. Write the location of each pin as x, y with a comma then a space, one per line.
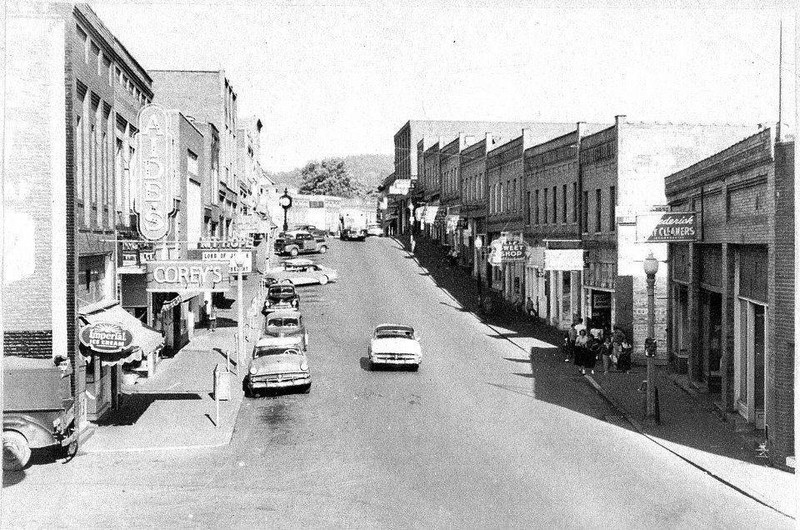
323, 280
323, 249
293, 252
16, 451
246, 388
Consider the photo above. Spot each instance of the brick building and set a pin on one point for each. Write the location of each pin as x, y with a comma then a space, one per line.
70, 120
731, 292
450, 195
622, 169
473, 204
208, 96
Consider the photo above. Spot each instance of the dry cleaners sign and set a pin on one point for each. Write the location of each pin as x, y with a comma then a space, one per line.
154, 168
666, 227
105, 337
187, 276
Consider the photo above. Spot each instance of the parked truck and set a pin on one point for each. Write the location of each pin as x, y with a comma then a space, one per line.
354, 225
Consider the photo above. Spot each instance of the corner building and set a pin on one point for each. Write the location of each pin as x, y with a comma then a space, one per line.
731, 292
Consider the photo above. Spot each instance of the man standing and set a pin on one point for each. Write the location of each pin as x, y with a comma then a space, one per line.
212, 317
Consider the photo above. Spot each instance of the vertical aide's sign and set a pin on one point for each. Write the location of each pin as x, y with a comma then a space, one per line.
153, 168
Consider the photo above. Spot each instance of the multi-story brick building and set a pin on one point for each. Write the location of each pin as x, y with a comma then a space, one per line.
450, 195
248, 152
731, 292
415, 137
208, 96
473, 204
71, 121
622, 169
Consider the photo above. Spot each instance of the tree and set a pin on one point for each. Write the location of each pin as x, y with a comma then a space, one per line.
329, 177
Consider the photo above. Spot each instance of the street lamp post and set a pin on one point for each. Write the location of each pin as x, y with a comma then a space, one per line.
479, 264
238, 262
650, 269
285, 201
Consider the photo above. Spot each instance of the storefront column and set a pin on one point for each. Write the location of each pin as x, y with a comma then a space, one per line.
726, 367
551, 297
695, 370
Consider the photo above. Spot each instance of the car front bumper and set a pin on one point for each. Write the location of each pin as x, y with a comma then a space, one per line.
261, 383
395, 359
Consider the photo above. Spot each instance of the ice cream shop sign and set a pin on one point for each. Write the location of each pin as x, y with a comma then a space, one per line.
106, 337
154, 168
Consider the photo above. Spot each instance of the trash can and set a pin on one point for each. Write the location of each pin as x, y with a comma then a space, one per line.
222, 383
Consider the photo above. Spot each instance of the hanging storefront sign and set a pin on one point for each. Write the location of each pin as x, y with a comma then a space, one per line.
400, 187
182, 276
563, 259
660, 227
105, 337
154, 169
513, 251
245, 242
536, 257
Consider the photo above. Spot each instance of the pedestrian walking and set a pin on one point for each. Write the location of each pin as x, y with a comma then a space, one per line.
593, 347
572, 334
413, 244
606, 352
204, 313
581, 350
579, 325
212, 317
624, 358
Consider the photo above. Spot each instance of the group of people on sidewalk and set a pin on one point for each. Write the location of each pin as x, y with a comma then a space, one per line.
585, 346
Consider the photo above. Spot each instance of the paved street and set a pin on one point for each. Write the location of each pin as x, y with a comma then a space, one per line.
477, 438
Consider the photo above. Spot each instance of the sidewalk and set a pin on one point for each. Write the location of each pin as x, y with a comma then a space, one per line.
175, 409
690, 426
693, 430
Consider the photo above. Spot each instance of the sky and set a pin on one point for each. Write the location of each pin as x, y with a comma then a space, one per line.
334, 78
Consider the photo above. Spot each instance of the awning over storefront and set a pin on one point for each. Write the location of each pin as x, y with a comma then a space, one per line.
145, 339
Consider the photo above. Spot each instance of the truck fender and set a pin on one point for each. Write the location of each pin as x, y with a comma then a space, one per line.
36, 432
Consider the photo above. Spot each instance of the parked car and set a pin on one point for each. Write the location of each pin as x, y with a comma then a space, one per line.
298, 242
375, 230
395, 344
38, 410
277, 362
281, 296
353, 234
301, 271
318, 233
285, 324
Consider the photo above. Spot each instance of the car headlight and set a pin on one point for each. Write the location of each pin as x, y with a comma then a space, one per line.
253, 370
304, 366
294, 303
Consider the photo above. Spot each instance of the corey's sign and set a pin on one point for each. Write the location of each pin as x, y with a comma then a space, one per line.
666, 227
153, 169
186, 276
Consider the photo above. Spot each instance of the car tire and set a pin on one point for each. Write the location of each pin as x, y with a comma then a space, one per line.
293, 252
16, 451
323, 249
323, 280
246, 388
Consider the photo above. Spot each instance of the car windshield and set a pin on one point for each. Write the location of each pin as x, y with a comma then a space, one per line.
274, 350
281, 292
283, 322
394, 332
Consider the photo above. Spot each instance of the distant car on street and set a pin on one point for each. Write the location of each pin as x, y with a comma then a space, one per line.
298, 242
375, 230
318, 233
301, 271
396, 345
353, 234
281, 296
277, 362
285, 324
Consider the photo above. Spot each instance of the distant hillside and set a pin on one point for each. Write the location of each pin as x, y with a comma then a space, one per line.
369, 170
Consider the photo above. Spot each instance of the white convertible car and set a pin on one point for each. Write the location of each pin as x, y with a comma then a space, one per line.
395, 345
300, 271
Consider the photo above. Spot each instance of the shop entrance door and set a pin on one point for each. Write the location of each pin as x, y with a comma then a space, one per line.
749, 362
601, 309
710, 340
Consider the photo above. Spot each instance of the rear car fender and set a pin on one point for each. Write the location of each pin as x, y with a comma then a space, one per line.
35, 431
